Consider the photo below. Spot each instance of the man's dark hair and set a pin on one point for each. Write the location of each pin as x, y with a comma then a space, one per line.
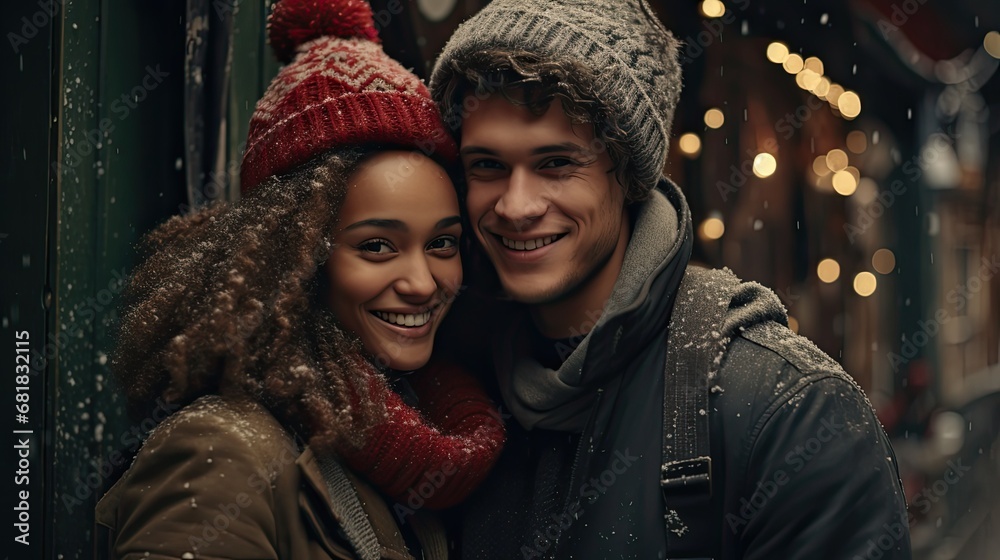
532, 81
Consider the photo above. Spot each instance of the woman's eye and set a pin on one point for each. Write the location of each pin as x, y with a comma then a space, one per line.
376, 246
443, 244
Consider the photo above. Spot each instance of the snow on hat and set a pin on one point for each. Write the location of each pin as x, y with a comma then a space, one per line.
338, 89
633, 57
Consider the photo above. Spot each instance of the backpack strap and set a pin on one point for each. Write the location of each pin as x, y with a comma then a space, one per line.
694, 344
347, 506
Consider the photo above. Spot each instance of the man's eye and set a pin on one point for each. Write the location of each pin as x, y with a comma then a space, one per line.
485, 164
558, 162
376, 246
443, 244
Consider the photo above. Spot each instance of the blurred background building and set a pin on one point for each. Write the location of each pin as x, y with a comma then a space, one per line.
843, 153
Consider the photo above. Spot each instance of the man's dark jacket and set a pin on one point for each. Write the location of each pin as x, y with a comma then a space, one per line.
801, 466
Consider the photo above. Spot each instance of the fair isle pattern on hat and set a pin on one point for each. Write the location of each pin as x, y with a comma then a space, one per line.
341, 63
336, 92
634, 58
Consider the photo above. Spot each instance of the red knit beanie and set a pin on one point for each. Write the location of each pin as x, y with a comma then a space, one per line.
338, 89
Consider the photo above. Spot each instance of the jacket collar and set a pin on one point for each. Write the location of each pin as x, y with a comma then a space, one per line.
314, 502
639, 308
636, 312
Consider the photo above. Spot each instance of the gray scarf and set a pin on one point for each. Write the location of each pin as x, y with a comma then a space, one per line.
540, 397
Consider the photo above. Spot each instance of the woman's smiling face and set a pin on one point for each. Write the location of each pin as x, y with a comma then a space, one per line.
395, 266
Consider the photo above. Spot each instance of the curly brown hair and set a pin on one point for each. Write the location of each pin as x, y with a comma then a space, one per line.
229, 302
527, 79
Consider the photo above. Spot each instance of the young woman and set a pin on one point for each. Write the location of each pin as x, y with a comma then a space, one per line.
285, 330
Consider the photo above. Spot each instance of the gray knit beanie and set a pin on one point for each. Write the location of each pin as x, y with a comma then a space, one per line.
632, 56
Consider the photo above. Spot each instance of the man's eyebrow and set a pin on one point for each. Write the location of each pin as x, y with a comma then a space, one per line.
468, 150
564, 147
379, 223
551, 148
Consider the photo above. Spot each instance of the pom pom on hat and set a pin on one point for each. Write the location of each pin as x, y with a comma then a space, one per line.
337, 89
295, 22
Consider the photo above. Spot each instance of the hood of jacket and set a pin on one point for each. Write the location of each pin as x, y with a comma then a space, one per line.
636, 312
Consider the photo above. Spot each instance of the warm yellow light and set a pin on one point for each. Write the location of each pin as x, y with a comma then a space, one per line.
792, 64
834, 93
867, 191
992, 43
828, 270
836, 159
844, 183
824, 183
713, 8
884, 261
812, 81
814, 64
689, 144
713, 228
857, 142
799, 77
823, 87
865, 283
807, 79
793, 324
777, 52
849, 104
714, 118
764, 165
854, 173
819, 166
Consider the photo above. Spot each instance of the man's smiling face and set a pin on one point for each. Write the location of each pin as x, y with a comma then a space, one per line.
543, 199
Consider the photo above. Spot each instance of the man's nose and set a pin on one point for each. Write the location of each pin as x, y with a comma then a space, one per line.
523, 201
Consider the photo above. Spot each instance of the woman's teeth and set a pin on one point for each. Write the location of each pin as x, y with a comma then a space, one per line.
529, 245
404, 319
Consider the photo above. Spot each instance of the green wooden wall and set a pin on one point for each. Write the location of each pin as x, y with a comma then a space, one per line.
93, 137
93, 158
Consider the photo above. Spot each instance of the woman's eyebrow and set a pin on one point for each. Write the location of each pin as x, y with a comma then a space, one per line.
447, 222
400, 225
379, 223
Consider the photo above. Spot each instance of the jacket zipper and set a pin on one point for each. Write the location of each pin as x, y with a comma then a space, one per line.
580, 447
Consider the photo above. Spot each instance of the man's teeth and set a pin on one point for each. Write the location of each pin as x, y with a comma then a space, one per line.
529, 245
404, 319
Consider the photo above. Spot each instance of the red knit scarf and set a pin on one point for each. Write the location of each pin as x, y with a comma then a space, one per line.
440, 453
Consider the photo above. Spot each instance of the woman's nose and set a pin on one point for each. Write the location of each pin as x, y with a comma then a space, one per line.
417, 282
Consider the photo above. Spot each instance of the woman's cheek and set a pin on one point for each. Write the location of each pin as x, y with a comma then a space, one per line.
453, 278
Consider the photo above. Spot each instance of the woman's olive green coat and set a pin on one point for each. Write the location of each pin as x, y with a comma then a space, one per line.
221, 479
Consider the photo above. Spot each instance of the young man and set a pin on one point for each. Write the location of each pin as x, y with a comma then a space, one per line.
660, 411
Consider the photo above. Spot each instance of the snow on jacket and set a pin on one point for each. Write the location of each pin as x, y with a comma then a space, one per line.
801, 467
223, 479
